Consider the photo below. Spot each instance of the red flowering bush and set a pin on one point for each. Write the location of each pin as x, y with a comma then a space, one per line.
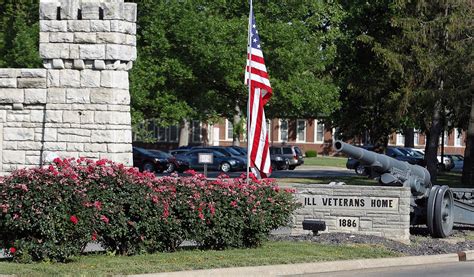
41, 215
131, 209
51, 213
229, 212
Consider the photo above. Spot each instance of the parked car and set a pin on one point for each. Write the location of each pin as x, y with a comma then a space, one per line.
157, 161
402, 155
279, 162
175, 164
240, 149
292, 153
458, 161
447, 163
415, 156
175, 152
220, 161
227, 151
358, 167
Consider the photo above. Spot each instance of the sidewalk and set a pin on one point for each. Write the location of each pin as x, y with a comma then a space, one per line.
309, 268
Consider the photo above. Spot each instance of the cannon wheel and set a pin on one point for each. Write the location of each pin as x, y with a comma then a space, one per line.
444, 212
431, 209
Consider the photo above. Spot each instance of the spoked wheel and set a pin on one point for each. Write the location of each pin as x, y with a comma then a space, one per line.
148, 167
444, 213
360, 170
225, 167
169, 168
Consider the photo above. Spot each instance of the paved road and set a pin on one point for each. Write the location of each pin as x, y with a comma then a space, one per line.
299, 172
460, 269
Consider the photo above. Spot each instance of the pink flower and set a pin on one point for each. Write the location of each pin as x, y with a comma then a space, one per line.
98, 205
73, 219
104, 219
233, 204
94, 236
12, 250
190, 172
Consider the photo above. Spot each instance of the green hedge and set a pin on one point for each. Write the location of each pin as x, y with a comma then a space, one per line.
311, 154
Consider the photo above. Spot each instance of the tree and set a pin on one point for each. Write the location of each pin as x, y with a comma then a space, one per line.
192, 57
433, 48
368, 72
19, 34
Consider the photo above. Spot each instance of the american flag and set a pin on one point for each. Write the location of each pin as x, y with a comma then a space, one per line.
256, 77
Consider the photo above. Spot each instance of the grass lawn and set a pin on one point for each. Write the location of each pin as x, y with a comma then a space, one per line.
326, 161
269, 253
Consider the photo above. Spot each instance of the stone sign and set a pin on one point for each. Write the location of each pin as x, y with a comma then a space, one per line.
369, 210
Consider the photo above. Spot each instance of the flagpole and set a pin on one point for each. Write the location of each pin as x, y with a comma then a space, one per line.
249, 40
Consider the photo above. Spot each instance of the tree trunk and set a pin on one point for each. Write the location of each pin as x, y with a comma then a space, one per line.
468, 167
237, 125
409, 137
431, 151
184, 133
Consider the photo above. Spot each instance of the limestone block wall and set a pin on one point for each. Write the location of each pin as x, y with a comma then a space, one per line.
79, 104
369, 210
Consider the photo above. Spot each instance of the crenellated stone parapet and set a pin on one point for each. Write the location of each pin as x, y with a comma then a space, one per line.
80, 35
79, 104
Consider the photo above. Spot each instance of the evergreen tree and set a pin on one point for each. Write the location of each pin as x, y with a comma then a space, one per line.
19, 33
434, 47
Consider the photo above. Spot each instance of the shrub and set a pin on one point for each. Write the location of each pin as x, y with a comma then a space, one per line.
42, 215
311, 154
51, 213
131, 209
231, 213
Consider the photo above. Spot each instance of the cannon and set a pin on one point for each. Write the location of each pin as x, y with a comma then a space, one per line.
434, 206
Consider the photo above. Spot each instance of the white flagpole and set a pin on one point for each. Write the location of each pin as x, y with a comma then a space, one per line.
249, 85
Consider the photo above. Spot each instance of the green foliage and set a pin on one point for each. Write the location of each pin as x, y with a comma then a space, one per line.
51, 213
19, 33
191, 60
231, 213
311, 154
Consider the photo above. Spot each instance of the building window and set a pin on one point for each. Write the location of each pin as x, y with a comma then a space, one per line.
416, 137
301, 130
400, 139
283, 130
445, 137
173, 133
319, 134
229, 127
457, 138
196, 131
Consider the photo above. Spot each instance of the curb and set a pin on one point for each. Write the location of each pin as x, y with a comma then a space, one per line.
320, 267
467, 255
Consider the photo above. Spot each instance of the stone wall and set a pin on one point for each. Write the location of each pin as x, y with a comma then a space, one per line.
369, 210
79, 104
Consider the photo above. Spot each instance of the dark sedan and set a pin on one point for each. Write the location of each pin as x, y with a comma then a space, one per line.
157, 161
220, 161
402, 155
174, 163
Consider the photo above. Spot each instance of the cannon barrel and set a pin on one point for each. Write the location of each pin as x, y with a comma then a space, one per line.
415, 176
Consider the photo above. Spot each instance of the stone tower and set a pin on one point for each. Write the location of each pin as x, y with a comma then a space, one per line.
79, 104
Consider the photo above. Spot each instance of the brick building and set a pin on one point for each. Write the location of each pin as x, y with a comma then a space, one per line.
308, 134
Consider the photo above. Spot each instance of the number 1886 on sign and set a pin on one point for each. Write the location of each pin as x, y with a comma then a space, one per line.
347, 223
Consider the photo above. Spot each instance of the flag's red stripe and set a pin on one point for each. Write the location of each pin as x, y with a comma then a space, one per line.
259, 72
265, 153
262, 86
256, 58
258, 130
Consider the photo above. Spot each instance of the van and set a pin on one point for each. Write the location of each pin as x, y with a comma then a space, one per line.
292, 153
